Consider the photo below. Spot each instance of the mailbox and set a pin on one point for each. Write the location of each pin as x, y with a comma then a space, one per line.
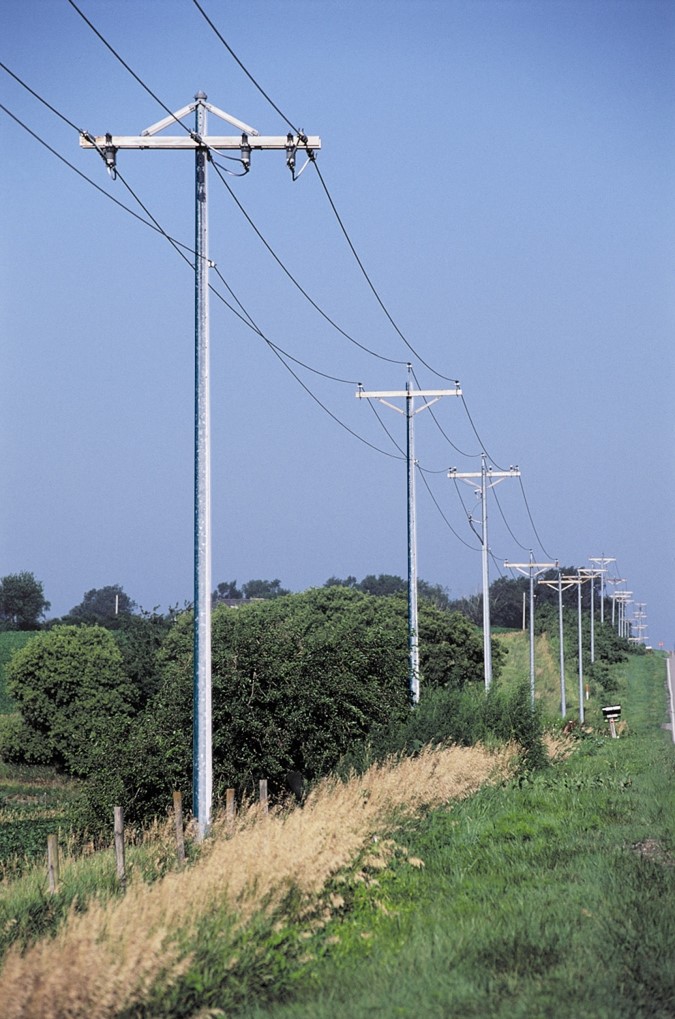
612, 713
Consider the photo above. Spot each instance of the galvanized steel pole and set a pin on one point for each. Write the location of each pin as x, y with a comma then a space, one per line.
580, 653
487, 636
202, 772
413, 637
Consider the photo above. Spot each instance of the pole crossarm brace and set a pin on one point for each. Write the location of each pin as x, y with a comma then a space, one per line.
564, 586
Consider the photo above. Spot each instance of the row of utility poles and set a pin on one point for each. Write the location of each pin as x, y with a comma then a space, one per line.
198, 141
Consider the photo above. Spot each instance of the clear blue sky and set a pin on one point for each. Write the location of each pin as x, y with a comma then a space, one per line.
504, 170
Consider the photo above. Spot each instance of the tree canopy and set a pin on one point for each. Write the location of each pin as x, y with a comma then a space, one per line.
22, 602
103, 606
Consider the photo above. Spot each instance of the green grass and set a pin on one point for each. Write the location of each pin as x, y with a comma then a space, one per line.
552, 896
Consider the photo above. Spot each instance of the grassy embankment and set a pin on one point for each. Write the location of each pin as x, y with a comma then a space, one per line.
549, 895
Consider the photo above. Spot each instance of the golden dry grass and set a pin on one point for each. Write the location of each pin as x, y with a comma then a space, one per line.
107, 958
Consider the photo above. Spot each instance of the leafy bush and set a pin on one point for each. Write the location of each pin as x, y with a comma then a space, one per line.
297, 681
465, 717
70, 688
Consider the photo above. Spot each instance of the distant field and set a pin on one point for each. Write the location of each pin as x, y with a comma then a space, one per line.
10, 642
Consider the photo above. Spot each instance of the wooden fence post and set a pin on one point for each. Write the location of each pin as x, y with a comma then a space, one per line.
119, 846
263, 795
230, 808
178, 817
53, 862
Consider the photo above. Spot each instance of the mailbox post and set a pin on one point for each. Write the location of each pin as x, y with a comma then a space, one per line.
612, 713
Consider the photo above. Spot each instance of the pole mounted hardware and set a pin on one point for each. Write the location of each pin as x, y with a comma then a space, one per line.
409, 394
202, 144
489, 478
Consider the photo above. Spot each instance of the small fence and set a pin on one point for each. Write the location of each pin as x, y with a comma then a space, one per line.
119, 836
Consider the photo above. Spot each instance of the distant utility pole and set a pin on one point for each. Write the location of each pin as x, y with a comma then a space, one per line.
615, 580
602, 561
410, 410
578, 579
561, 633
488, 479
639, 616
198, 141
532, 570
591, 574
623, 600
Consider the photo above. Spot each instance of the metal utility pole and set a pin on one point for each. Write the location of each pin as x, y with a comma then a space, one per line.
602, 561
591, 574
532, 570
410, 410
615, 580
558, 584
570, 581
198, 141
623, 599
488, 479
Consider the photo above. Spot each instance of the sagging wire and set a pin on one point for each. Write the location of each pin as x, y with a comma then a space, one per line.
501, 511
438, 507
527, 507
295, 282
439, 426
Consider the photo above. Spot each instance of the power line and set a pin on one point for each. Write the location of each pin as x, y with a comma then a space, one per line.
129, 69
440, 428
154, 225
244, 69
475, 432
70, 166
294, 280
501, 511
330, 200
370, 282
438, 507
541, 544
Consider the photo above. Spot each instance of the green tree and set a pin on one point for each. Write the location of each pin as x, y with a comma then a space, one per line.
22, 602
71, 691
263, 589
227, 590
299, 681
105, 606
383, 584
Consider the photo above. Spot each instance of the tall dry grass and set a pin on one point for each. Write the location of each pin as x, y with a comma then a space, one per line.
107, 959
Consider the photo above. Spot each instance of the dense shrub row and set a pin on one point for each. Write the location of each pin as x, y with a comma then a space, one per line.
299, 683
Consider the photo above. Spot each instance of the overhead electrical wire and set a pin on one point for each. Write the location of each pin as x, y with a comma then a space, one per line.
447, 522
508, 528
385, 429
295, 282
541, 544
440, 428
328, 196
244, 317
133, 74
